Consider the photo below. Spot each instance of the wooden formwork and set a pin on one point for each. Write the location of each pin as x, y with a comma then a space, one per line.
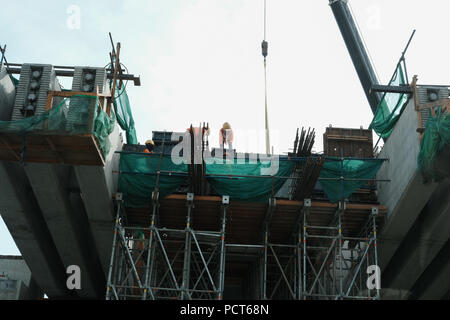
82, 149
245, 220
353, 142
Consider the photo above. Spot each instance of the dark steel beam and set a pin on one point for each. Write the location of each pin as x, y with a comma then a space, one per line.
69, 73
356, 50
391, 89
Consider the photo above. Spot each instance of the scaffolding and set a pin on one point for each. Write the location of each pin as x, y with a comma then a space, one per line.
162, 263
322, 260
285, 249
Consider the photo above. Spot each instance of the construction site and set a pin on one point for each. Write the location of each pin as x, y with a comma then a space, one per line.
177, 218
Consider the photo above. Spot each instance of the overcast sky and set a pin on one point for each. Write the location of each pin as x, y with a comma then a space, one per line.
200, 60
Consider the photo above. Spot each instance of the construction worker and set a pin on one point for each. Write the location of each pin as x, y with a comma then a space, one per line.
150, 146
226, 136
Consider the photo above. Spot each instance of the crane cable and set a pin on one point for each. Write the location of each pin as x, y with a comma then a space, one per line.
264, 47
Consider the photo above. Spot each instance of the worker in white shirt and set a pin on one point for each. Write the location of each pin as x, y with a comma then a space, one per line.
226, 136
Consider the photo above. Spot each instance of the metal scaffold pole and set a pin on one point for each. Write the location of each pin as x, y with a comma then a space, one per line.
109, 287
187, 250
374, 224
266, 235
225, 201
319, 257
304, 256
341, 288
150, 248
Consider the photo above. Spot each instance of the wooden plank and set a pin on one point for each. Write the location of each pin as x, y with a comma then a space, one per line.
99, 151
77, 150
113, 90
68, 94
199, 198
438, 103
349, 138
48, 103
415, 93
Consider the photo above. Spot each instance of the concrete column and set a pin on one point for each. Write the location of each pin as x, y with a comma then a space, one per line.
97, 184
69, 228
26, 224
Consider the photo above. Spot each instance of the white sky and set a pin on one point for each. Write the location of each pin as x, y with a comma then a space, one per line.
200, 60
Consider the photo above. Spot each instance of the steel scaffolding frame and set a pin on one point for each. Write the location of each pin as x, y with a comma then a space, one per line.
161, 263
335, 264
321, 262
318, 262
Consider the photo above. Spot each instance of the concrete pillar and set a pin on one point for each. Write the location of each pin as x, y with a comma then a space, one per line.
69, 228
97, 185
26, 224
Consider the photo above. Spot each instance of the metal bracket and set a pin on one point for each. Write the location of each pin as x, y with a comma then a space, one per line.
272, 202
190, 197
307, 203
340, 205
375, 211
155, 196
225, 199
119, 196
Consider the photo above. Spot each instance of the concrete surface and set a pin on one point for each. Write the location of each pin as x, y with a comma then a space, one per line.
405, 196
27, 226
69, 228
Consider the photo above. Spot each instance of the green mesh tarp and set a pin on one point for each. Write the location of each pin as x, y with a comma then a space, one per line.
103, 127
435, 140
124, 115
86, 116
138, 173
240, 179
333, 168
247, 188
390, 107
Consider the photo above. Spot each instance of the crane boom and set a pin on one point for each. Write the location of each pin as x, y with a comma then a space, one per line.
356, 50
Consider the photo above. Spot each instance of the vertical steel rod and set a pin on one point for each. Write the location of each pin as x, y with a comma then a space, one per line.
187, 254
111, 262
375, 249
304, 256
222, 254
266, 235
150, 250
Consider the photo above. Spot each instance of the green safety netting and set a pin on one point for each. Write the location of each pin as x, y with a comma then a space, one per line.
333, 170
86, 116
248, 188
138, 173
124, 115
242, 180
390, 107
435, 139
